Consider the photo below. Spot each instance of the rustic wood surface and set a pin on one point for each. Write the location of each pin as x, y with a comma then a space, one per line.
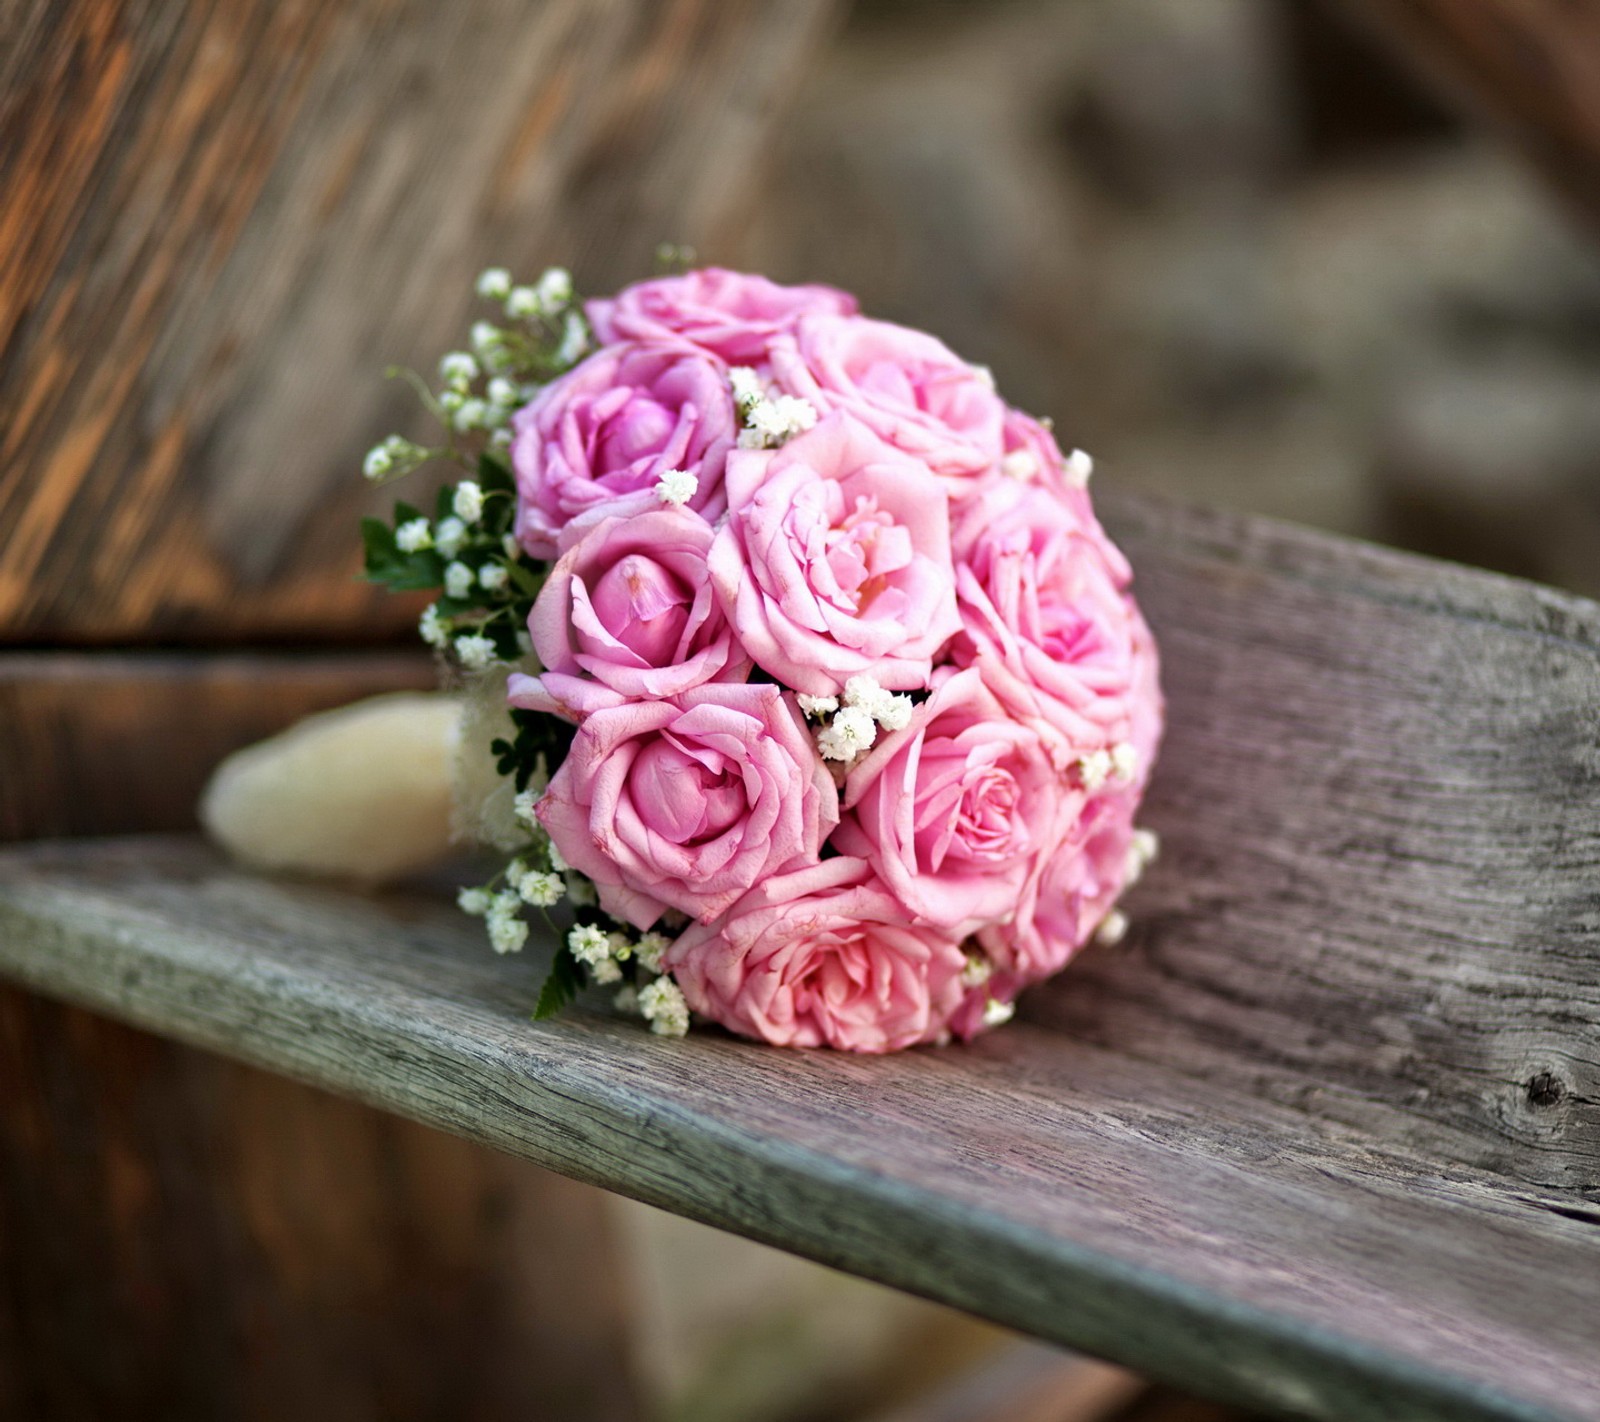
224, 218
1323, 1137
1531, 66
185, 1238
113, 742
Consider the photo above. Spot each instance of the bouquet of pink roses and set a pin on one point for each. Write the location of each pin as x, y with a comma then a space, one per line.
830, 707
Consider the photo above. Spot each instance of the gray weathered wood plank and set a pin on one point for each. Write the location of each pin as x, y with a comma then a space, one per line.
1322, 1137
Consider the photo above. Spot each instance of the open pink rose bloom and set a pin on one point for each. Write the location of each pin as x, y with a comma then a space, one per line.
863, 706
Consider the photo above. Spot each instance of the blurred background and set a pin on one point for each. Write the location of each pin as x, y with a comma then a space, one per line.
1326, 260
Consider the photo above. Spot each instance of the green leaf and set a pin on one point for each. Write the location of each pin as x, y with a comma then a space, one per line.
560, 987
493, 476
404, 513
377, 543
444, 505
415, 571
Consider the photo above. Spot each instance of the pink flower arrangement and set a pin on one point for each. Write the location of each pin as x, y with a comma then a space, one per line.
858, 706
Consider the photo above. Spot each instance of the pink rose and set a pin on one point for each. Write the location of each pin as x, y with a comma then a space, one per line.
629, 605
907, 386
689, 802
1072, 889
954, 811
835, 559
731, 314
1046, 613
603, 434
821, 957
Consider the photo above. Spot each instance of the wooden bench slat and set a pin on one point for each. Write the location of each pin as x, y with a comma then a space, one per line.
1323, 1137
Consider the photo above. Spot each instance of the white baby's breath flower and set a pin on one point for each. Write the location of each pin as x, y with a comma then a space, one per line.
1143, 847
977, 972
769, 423
432, 628
557, 860
863, 691
851, 732
413, 536
449, 536
500, 440
1112, 930
507, 931
1146, 844
747, 386
895, 713
458, 370
473, 901
458, 579
605, 972
555, 288
476, 652
589, 944
1020, 464
541, 889
649, 948
677, 487
1124, 762
472, 415
997, 1014
574, 339
492, 577
662, 1005
502, 392
467, 501
522, 302
626, 1001
1094, 769
486, 337
817, 706
378, 462
1079, 467
580, 891
494, 284
522, 809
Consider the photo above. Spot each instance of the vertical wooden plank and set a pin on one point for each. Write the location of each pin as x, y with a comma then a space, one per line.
223, 218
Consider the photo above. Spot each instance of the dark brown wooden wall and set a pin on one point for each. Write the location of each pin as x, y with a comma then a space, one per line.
223, 218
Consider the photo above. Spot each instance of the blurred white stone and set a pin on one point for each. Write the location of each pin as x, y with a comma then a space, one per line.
360, 793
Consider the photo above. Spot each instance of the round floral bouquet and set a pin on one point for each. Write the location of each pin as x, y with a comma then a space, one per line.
828, 707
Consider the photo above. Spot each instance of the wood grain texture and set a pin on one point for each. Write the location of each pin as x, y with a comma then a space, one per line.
224, 218
1322, 1138
185, 1238
1531, 66
112, 742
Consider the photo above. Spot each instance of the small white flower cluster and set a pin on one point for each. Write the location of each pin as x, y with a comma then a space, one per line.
853, 727
502, 913
549, 296
1118, 765
1143, 848
677, 487
549, 303
393, 457
660, 1002
459, 533
767, 420
662, 1005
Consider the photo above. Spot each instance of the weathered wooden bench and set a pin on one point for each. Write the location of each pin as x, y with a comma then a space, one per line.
1322, 1136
